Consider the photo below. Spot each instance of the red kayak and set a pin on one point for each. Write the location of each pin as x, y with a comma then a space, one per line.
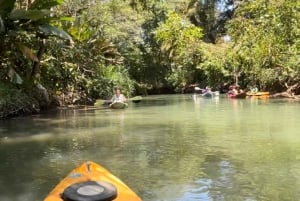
240, 95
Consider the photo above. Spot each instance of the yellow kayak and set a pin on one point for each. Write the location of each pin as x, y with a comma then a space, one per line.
91, 182
262, 93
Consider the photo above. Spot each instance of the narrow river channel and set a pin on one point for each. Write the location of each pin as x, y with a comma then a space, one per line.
166, 148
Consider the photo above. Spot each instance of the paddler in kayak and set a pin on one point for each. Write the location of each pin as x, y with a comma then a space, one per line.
118, 96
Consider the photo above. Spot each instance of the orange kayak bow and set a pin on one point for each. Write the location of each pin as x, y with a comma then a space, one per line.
91, 182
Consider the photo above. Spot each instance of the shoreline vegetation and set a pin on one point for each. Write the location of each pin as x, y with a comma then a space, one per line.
62, 53
23, 104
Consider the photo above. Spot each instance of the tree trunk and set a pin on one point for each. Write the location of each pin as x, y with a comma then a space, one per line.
289, 93
28, 4
41, 93
35, 73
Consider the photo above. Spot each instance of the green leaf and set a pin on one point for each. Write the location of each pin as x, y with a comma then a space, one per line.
45, 4
27, 52
49, 30
65, 18
34, 15
6, 6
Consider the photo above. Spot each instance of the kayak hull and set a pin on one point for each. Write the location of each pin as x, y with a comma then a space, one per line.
90, 172
262, 93
207, 95
211, 94
118, 105
239, 96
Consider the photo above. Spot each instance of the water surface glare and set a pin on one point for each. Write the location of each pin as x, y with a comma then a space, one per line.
166, 148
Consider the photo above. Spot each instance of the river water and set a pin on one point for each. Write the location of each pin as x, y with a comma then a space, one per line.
166, 148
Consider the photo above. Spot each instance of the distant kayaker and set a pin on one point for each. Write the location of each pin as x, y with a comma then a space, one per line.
234, 90
118, 96
254, 89
238, 89
203, 91
206, 90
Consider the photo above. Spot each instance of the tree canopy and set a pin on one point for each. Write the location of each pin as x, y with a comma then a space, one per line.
76, 51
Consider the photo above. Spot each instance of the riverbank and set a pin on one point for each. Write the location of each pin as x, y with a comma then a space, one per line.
16, 102
19, 102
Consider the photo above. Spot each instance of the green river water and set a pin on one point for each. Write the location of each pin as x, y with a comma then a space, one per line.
166, 148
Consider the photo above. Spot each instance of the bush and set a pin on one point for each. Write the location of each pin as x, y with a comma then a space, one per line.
15, 101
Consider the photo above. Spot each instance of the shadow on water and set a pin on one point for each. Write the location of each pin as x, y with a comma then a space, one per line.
216, 177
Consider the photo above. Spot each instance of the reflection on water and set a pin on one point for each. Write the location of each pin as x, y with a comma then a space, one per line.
167, 148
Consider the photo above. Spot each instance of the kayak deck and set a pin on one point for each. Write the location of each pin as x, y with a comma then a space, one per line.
90, 171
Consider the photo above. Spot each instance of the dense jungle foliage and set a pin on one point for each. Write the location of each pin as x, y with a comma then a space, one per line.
61, 52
